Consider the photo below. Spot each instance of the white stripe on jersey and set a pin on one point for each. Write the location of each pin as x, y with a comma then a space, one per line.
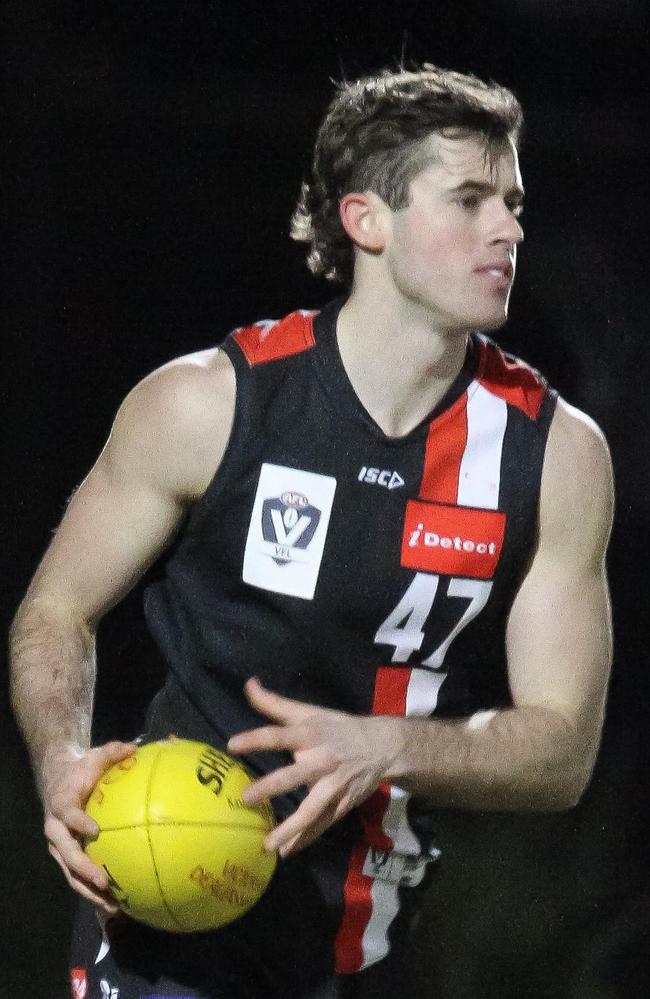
480, 467
385, 906
422, 692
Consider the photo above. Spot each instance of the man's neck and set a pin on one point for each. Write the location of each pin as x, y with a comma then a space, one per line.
400, 364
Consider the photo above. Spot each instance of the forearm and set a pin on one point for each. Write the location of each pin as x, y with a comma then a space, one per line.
520, 759
52, 670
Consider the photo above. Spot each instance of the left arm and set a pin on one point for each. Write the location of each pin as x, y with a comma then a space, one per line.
537, 755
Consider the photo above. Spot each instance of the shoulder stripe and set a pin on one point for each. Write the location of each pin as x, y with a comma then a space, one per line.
273, 339
510, 379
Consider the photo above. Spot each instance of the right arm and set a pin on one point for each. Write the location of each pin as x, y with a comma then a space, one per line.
165, 446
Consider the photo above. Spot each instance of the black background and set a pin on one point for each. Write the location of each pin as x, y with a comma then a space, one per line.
153, 153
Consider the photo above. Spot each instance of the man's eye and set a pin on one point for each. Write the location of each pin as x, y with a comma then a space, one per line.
469, 202
516, 208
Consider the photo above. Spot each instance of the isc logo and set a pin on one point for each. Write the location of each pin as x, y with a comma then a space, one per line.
381, 477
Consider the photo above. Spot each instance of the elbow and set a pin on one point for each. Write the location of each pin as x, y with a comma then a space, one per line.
564, 792
552, 799
574, 789
564, 774
562, 800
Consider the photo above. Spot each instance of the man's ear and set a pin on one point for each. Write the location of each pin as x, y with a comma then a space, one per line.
362, 219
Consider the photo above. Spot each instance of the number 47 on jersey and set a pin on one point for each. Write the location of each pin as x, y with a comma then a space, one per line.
404, 626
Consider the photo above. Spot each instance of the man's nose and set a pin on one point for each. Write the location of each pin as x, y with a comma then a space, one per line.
507, 228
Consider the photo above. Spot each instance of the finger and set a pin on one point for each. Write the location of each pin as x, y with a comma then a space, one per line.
288, 848
264, 737
68, 811
277, 782
316, 806
333, 814
307, 837
282, 709
69, 850
77, 821
104, 900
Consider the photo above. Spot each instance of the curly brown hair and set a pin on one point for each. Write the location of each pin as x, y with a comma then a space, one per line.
373, 138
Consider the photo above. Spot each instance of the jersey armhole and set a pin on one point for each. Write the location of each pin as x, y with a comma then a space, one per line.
220, 477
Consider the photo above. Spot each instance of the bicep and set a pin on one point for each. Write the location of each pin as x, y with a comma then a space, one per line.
165, 447
114, 528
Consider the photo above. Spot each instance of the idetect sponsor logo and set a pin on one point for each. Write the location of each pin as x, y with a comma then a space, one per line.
452, 540
79, 983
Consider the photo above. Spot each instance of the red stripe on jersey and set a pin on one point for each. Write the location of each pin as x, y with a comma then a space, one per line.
512, 380
357, 893
270, 341
443, 454
371, 813
391, 685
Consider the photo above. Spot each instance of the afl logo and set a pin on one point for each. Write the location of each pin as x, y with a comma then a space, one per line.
296, 500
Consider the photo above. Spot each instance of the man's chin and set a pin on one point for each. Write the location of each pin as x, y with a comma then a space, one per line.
479, 324
492, 322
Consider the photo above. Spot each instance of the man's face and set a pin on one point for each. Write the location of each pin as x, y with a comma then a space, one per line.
452, 250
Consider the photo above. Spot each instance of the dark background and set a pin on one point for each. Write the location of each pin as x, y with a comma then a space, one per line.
153, 153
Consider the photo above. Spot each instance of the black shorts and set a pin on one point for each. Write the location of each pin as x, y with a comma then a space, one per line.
121, 959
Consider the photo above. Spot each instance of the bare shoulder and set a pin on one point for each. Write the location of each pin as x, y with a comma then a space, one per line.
577, 454
197, 386
173, 427
577, 497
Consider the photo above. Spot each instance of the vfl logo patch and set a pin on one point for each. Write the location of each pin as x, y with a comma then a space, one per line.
452, 540
287, 530
289, 521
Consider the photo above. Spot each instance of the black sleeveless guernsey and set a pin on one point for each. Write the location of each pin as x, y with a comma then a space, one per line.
351, 570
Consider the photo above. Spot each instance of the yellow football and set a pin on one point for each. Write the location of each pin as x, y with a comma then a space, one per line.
181, 849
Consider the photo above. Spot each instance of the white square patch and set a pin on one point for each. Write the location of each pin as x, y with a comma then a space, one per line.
397, 868
287, 530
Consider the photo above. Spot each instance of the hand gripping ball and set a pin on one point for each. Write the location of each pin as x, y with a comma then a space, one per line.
181, 849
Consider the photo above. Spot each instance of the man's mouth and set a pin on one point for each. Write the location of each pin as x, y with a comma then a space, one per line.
500, 273
500, 268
